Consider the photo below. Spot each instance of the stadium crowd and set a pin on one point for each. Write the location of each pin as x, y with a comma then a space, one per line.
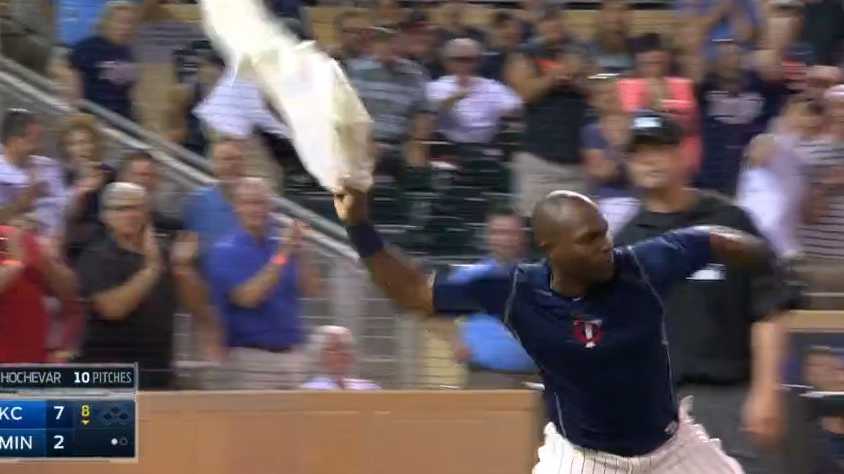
472, 125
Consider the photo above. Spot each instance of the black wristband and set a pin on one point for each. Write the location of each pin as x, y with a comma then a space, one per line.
365, 239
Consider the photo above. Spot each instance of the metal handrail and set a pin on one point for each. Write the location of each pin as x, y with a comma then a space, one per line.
191, 168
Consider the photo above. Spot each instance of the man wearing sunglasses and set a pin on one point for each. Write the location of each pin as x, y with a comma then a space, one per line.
469, 107
350, 29
127, 282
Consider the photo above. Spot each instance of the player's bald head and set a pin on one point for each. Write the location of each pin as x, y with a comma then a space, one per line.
561, 213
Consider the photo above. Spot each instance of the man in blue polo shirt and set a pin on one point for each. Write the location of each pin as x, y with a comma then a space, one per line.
258, 275
590, 316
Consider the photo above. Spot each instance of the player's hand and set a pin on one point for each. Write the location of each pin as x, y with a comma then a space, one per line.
351, 206
763, 418
185, 249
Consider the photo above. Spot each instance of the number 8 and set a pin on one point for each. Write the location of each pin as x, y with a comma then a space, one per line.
86, 411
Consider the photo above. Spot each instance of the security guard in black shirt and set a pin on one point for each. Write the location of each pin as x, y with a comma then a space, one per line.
723, 325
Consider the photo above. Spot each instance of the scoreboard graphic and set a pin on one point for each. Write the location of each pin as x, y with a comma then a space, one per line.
63, 412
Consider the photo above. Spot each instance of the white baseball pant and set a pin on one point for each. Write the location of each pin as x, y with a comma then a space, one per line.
689, 451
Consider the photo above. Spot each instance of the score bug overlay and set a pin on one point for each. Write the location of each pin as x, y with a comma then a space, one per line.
46, 377
54, 412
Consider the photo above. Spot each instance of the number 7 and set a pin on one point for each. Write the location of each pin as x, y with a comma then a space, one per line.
60, 410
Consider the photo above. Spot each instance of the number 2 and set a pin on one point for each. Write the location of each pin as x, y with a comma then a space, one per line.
59, 442
60, 410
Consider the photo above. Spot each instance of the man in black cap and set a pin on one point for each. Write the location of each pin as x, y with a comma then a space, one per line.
722, 323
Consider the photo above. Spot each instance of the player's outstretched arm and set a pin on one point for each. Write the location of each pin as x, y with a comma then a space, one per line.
675, 255
738, 248
401, 280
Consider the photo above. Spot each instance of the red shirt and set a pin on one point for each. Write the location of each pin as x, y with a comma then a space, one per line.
24, 322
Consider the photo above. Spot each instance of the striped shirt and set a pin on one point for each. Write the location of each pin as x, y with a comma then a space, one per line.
825, 236
392, 95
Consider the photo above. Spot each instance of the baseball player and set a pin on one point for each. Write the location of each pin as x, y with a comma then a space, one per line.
591, 318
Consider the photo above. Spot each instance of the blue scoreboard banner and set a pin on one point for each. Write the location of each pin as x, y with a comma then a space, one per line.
54, 420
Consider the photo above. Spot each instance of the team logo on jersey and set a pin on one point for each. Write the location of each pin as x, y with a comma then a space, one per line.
588, 332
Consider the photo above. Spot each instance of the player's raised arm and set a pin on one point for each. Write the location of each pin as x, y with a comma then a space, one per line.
407, 285
738, 248
401, 280
675, 255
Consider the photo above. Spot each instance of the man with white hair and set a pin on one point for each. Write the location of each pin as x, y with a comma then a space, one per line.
332, 353
469, 107
129, 289
260, 297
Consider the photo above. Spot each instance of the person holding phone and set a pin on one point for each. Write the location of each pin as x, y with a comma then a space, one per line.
29, 183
